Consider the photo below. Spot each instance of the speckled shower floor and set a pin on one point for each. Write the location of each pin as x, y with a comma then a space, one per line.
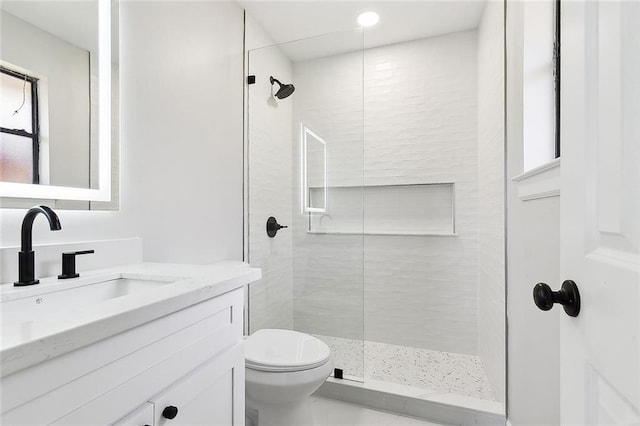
421, 368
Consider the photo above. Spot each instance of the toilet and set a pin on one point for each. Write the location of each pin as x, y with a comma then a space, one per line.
282, 369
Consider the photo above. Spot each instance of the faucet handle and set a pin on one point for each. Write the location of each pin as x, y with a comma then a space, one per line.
69, 264
273, 227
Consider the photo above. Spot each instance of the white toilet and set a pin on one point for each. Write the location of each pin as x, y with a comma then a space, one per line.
283, 368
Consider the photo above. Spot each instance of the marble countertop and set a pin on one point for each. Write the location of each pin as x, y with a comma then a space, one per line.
26, 343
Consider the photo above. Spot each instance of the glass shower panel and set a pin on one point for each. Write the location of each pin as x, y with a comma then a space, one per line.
305, 168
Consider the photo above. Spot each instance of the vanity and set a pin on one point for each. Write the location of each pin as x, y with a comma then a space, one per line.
145, 344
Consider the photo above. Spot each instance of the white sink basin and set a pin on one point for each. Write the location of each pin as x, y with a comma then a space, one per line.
60, 298
55, 317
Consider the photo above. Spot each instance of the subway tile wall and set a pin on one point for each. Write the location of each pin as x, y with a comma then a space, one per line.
491, 213
328, 270
419, 113
270, 177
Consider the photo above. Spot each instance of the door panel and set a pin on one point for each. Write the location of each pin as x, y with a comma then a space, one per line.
305, 168
600, 214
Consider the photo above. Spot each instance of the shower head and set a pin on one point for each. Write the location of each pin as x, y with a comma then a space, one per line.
284, 91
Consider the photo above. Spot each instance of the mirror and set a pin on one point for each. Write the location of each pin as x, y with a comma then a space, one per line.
56, 78
314, 166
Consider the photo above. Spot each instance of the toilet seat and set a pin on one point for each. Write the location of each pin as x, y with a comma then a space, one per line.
274, 350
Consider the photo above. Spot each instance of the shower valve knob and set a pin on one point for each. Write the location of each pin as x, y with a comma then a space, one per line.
273, 227
170, 412
568, 296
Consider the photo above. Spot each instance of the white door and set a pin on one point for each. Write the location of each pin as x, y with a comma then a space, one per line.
600, 211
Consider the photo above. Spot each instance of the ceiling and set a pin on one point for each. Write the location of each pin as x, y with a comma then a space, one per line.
400, 21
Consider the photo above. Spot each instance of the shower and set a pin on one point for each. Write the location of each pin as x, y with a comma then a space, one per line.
284, 91
389, 258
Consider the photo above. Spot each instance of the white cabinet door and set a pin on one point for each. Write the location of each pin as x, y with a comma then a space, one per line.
143, 416
207, 396
600, 211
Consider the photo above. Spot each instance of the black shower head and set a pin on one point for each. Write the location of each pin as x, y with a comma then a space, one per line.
284, 91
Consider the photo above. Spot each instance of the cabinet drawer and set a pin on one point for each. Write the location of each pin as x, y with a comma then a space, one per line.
204, 397
143, 416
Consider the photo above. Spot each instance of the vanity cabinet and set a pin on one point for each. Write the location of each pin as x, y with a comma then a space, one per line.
141, 417
191, 359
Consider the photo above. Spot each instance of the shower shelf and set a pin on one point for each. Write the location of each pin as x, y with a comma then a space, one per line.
425, 209
388, 233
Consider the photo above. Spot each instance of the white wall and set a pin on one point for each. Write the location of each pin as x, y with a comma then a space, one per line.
270, 179
181, 138
182, 113
491, 214
532, 256
420, 124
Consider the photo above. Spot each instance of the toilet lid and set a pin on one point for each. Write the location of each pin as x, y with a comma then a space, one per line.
284, 350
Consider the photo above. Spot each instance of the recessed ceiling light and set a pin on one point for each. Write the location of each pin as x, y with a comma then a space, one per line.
368, 19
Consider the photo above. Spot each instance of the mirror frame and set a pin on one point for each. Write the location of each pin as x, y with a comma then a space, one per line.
103, 193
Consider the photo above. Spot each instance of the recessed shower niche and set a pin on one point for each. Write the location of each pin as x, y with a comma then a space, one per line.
409, 209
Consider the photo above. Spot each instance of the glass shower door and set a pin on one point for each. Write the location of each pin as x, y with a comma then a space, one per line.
305, 168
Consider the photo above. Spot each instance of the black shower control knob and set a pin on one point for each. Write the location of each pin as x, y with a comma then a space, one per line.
170, 412
273, 227
568, 296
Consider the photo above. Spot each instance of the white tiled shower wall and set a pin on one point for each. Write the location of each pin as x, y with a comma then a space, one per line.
328, 269
491, 159
420, 124
270, 179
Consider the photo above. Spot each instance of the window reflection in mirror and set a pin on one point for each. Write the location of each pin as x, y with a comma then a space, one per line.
19, 144
49, 60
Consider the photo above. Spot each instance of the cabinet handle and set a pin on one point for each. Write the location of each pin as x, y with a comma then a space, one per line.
170, 412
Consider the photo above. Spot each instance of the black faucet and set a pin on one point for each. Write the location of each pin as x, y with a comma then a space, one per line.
26, 256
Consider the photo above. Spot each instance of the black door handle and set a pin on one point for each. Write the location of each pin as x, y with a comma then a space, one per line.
568, 296
273, 227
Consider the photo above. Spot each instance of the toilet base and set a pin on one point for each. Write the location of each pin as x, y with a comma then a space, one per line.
297, 413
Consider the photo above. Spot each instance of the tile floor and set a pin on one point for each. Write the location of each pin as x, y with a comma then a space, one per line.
328, 412
420, 368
